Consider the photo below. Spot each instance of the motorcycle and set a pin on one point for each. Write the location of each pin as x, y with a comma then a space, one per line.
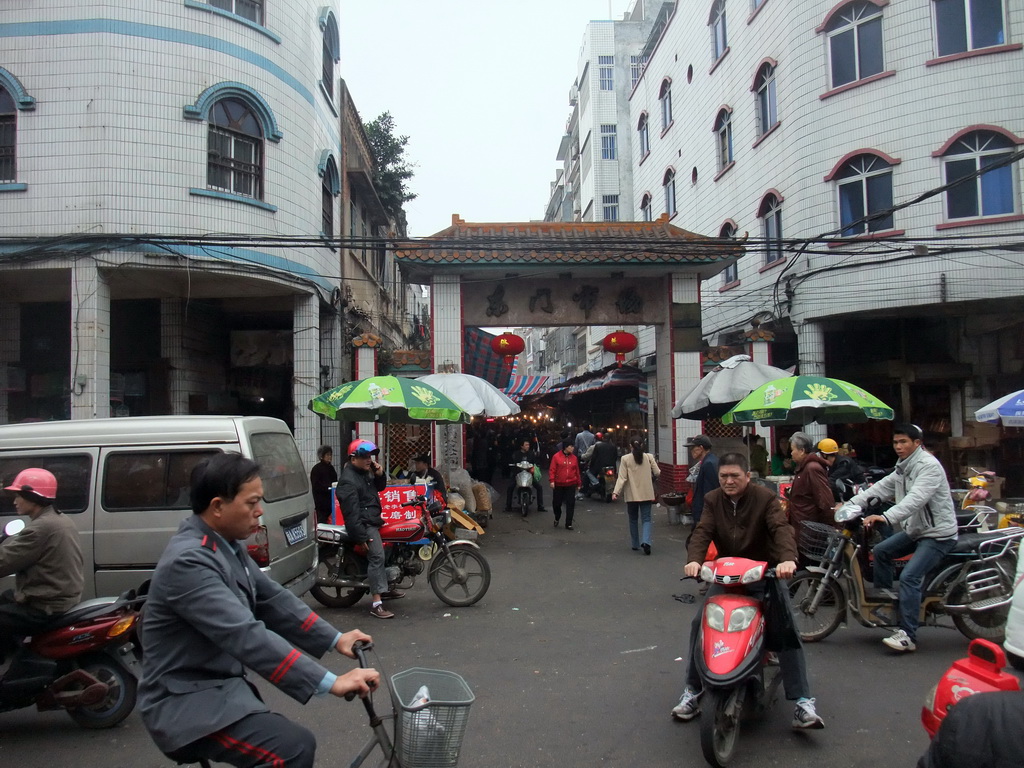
602, 484
973, 584
731, 657
522, 497
457, 571
82, 663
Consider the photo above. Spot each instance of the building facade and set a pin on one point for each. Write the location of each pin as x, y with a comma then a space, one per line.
129, 133
829, 137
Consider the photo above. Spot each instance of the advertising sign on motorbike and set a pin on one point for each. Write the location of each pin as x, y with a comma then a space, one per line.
391, 500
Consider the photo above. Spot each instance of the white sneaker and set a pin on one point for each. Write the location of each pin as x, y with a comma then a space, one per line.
805, 717
900, 641
688, 706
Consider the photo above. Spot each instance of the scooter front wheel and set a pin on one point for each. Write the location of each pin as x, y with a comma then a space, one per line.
816, 617
720, 725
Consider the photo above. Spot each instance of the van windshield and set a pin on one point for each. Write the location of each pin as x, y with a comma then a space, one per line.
280, 466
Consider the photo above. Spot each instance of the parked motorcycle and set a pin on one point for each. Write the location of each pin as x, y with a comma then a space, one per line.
457, 570
731, 657
973, 584
82, 663
522, 496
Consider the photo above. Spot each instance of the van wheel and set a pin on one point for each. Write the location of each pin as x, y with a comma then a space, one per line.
334, 597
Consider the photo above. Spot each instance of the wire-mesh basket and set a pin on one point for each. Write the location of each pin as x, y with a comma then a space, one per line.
817, 539
430, 735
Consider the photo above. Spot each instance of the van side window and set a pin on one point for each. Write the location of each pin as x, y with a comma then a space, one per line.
73, 473
149, 479
281, 467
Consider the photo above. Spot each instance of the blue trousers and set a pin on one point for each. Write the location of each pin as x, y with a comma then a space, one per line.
639, 512
927, 554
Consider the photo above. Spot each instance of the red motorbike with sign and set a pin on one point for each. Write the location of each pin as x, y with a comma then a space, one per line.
414, 540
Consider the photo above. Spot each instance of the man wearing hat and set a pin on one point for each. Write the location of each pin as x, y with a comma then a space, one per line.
703, 475
839, 468
423, 470
45, 559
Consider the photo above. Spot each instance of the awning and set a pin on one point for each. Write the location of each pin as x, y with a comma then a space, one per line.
617, 377
521, 386
480, 360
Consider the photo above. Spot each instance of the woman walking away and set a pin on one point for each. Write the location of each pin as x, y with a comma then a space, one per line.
637, 472
565, 481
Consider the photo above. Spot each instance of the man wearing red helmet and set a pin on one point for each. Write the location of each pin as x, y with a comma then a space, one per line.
45, 558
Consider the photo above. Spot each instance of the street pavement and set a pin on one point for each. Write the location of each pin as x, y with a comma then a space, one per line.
575, 655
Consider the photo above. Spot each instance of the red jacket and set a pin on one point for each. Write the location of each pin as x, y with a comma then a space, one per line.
565, 470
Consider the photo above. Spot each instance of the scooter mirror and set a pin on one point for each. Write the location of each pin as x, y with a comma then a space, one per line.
848, 512
14, 527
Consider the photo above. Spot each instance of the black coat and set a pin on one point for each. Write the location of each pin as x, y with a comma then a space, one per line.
360, 505
321, 477
605, 455
981, 731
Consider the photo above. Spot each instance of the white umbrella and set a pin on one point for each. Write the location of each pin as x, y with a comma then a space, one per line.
1008, 410
724, 386
473, 394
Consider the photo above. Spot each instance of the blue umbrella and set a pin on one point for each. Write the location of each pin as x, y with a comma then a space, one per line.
1007, 410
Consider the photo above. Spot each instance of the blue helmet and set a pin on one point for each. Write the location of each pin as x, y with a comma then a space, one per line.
361, 449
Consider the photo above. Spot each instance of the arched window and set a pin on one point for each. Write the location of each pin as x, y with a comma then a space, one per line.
235, 149
247, 9
669, 184
645, 208
967, 25
731, 273
329, 189
854, 42
992, 193
767, 102
645, 136
865, 188
770, 214
665, 97
723, 129
331, 51
719, 36
8, 137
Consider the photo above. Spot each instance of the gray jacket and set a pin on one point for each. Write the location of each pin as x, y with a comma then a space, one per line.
210, 614
924, 504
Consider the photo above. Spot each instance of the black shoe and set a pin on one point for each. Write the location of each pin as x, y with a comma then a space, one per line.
647, 548
556, 523
541, 509
568, 527
508, 509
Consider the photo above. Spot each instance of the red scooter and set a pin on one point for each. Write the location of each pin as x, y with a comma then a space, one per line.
83, 663
731, 657
457, 570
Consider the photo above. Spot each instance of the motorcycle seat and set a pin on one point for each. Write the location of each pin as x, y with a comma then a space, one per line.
968, 542
333, 534
84, 610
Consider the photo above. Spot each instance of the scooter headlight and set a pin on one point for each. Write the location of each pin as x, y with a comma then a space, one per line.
754, 574
741, 618
714, 615
707, 573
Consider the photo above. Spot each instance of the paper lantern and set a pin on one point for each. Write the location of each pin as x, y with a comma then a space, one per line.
620, 343
508, 344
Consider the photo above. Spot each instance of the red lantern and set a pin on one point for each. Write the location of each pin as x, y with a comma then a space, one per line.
508, 344
620, 343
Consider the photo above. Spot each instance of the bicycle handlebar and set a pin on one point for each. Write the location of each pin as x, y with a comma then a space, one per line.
360, 648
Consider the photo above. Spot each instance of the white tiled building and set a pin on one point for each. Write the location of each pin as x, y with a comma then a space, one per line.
793, 119
177, 118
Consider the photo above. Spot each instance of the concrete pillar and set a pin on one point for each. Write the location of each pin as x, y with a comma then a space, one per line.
682, 371
90, 342
331, 354
306, 373
10, 350
366, 366
446, 339
172, 349
810, 339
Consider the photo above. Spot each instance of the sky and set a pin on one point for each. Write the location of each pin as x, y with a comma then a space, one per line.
481, 87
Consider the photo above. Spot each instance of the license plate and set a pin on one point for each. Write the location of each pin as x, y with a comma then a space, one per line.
295, 534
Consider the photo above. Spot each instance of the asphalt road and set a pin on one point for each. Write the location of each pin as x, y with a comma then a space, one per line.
575, 657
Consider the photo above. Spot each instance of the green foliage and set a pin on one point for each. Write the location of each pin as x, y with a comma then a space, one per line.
393, 170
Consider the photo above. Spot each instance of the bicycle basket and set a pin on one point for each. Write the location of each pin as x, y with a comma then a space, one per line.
430, 735
816, 539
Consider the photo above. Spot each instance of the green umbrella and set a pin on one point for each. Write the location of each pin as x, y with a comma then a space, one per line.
391, 399
803, 399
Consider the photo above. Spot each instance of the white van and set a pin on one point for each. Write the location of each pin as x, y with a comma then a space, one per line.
125, 483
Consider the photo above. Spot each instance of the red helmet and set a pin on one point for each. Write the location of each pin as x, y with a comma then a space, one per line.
37, 481
362, 448
599, 436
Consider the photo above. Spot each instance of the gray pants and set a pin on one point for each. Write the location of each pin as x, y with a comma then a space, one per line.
375, 572
257, 740
793, 663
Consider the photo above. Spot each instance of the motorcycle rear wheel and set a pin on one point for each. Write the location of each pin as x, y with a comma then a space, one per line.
720, 725
987, 625
461, 581
334, 597
120, 699
829, 614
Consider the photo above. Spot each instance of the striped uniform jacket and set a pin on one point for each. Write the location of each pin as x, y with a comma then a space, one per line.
210, 614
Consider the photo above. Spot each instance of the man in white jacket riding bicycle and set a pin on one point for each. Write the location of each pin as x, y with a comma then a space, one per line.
924, 510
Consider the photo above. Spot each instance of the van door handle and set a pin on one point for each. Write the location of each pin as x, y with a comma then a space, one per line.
288, 522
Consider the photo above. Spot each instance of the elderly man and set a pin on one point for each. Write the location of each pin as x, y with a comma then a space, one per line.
703, 475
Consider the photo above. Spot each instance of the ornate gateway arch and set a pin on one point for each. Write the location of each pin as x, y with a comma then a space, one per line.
571, 274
